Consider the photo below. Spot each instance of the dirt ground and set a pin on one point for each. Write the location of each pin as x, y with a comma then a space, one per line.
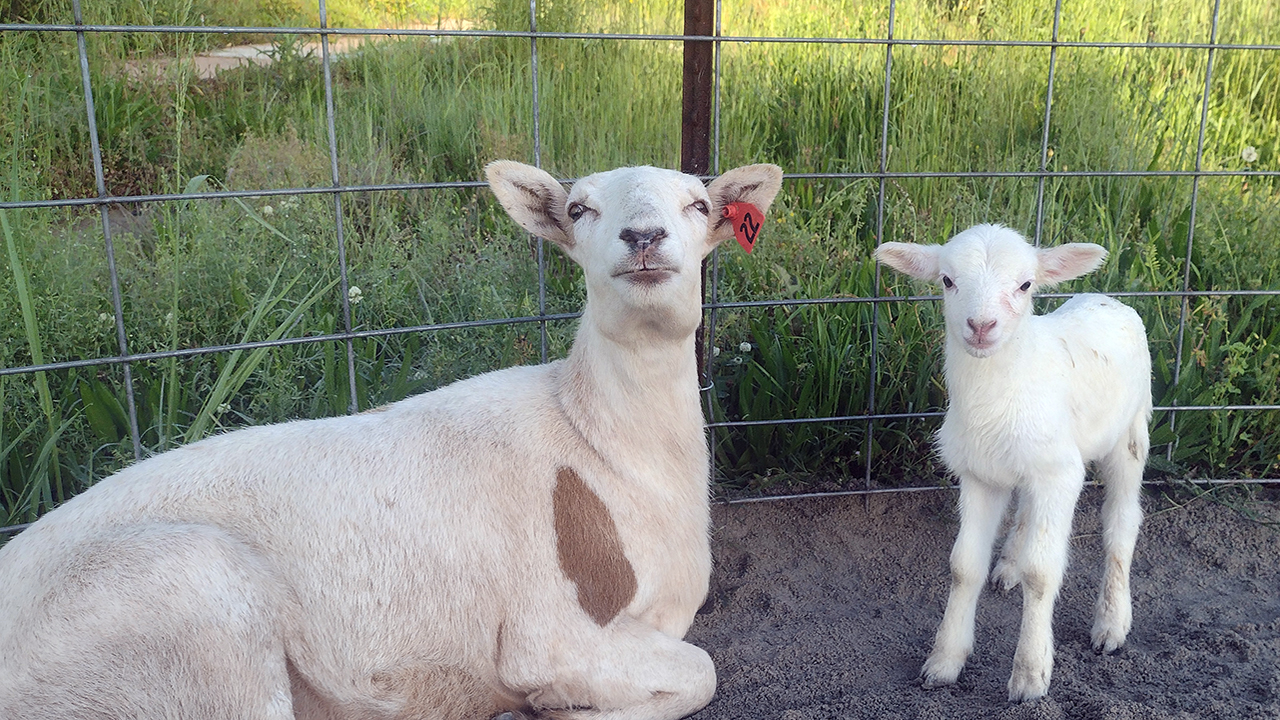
826, 608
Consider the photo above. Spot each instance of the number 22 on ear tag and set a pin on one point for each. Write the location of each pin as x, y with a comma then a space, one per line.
746, 220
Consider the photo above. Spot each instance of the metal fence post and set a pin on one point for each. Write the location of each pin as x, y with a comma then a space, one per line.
697, 97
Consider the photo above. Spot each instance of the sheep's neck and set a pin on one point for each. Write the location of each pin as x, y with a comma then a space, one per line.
635, 402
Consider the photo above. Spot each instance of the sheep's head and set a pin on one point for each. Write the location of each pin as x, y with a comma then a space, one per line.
639, 233
988, 274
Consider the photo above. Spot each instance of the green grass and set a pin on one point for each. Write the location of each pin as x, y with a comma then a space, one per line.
206, 273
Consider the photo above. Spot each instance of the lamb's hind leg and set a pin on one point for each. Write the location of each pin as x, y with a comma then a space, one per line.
981, 508
1121, 517
1005, 574
626, 670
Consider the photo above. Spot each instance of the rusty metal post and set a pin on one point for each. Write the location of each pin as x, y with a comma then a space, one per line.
695, 117
695, 125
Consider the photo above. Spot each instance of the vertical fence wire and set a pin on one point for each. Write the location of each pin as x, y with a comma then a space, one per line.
537, 162
1048, 111
875, 305
709, 356
1191, 225
345, 299
104, 210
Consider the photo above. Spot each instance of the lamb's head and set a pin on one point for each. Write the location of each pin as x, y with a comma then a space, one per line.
988, 274
639, 233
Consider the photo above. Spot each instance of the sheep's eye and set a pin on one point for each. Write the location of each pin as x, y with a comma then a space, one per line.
701, 207
947, 281
576, 211
1025, 286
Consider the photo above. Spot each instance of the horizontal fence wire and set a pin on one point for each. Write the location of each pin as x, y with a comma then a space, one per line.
671, 37
1202, 482
554, 317
465, 184
337, 190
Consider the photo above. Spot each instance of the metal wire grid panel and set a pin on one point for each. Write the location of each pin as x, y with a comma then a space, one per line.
713, 306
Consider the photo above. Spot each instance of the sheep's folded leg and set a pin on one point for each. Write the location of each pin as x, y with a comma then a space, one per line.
628, 671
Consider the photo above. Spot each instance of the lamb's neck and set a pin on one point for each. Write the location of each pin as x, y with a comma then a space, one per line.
634, 401
974, 381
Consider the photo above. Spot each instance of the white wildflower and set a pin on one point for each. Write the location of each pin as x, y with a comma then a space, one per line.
715, 351
267, 210
104, 318
223, 408
744, 347
355, 294
1249, 154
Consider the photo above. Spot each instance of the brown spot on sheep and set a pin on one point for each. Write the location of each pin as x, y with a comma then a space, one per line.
590, 550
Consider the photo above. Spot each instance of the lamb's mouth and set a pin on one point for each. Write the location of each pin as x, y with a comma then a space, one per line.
647, 276
979, 349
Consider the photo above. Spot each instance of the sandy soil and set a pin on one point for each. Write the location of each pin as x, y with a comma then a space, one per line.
826, 609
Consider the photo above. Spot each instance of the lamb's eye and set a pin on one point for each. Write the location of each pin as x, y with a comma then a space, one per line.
947, 282
576, 211
701, 207
1025, 286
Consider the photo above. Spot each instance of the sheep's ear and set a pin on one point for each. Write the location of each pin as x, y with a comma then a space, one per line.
918, 261
532, 198
1065, 262
756, 184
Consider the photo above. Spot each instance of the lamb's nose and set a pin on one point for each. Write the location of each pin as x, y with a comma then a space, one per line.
641, 239
981, 328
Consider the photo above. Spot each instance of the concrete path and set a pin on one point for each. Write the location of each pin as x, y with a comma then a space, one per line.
207, 65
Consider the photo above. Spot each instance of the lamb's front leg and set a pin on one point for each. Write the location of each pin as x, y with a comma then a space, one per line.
981, 508
1049, 505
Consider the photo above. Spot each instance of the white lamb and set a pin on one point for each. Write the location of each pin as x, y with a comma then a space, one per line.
1032, 400
529, 540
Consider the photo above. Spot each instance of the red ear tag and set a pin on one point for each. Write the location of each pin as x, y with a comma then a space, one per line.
746, 220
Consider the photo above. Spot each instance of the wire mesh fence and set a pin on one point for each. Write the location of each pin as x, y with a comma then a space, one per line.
881, 411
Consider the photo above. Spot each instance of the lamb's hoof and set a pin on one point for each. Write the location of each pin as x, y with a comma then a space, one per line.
939, 671
1028, 684
1108, 640
1111, 627
1005, 576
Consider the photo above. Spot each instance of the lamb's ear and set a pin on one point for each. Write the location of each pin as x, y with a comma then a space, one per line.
532, 198
756, 184
918, 261
1065, 262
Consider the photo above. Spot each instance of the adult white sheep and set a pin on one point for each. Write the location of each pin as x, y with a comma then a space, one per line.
1032, 400
529, 540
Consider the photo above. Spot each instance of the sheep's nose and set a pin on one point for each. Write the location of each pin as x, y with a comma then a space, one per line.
981, 328
641, 239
